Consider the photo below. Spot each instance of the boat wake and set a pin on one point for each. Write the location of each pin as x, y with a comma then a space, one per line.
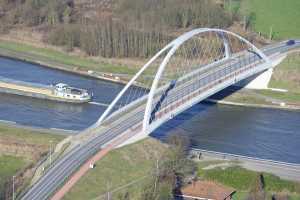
99, 104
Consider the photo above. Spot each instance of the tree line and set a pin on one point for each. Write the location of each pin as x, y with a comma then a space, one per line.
108, 40
134, 28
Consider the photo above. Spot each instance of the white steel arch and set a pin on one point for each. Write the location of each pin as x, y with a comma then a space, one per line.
175, 45
170, 49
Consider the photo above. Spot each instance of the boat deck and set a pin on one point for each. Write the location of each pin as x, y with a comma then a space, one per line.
37, 90
26, 88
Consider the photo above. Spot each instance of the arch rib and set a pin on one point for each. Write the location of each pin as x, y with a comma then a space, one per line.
129, 84
171, 48
175, 45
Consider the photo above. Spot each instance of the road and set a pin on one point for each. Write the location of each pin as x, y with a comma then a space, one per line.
283, 170
116, 125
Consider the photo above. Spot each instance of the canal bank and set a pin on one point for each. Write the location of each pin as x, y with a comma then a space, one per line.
282, 106
246, 131
29, 111
90, 70
21, 151
117, 79
44, 61
55, 131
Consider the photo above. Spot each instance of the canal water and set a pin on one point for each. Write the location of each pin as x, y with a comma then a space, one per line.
49, 114
256, 132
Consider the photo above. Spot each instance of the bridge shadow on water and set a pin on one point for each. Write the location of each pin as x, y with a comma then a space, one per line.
245, 131
226, 92
175, 125
161, 100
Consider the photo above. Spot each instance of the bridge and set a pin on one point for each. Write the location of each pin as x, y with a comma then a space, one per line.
189, 69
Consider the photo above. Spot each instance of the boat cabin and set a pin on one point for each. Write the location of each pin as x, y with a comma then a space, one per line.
65, 91
61, 86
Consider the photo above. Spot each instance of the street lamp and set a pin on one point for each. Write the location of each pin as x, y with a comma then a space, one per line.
50, 152
13, 197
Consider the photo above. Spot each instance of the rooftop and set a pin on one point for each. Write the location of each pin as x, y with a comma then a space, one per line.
206, 190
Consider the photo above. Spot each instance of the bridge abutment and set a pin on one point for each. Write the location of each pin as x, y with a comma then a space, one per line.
261, 81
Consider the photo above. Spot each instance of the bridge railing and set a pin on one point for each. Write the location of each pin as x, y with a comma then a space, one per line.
184, 58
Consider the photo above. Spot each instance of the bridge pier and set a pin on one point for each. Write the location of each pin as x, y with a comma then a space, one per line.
261, 81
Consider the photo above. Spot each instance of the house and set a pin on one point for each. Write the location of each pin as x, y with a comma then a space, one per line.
205, 190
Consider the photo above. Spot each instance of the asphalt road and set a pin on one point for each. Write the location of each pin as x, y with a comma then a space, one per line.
70, 162
283, 170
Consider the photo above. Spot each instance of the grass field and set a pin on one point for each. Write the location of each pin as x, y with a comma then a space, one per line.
58, 58
9, 166
282, 15
118, 168
287, 74
288, 97
21, 148
240, 195
133, 163
242, 180
28, 136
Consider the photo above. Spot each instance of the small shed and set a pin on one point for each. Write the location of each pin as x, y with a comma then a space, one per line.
205, 190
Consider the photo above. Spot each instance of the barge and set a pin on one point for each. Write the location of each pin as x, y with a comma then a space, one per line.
56, 92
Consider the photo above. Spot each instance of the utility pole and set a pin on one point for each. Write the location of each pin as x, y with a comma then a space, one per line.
108, 190
13, 197
156, 176
245, 23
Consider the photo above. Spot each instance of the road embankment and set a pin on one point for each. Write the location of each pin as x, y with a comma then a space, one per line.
22, 144
288, 171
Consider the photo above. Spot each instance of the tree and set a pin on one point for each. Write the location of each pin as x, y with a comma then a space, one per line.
125, 196
257, 191
250, 20
134, 28
170, 171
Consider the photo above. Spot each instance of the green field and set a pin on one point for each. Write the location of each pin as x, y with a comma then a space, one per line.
22, 148
53, 57
242, 180
28, 136
118, 168
9, 166
133, 164
287, 74
282, 15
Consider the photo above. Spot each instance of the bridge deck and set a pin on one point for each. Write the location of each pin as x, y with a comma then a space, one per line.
129, 120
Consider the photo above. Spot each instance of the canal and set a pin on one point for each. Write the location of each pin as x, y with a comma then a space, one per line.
264, 133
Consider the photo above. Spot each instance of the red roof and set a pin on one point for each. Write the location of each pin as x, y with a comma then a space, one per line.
206, 190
